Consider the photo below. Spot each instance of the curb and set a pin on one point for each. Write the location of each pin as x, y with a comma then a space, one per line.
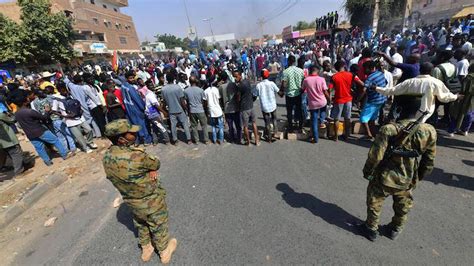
30, 198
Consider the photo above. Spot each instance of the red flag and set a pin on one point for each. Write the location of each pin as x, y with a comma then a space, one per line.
115, 62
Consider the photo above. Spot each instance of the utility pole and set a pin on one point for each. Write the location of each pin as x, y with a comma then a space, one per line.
375, 22
261, 23
210, 26
408, 6
190, 26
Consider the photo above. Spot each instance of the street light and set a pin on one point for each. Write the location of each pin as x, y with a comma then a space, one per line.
210, 26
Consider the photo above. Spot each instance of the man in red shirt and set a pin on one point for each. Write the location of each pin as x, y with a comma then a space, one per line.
341, 82
366, 56
260, 64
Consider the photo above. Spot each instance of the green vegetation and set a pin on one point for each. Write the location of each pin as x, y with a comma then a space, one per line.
41, 38
361, 12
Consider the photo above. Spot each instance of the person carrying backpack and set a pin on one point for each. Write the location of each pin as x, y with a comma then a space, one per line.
446, 72
70, 109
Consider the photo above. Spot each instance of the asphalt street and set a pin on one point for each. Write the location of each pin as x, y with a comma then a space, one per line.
290, 202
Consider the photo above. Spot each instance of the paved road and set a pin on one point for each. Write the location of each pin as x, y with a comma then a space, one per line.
286, 203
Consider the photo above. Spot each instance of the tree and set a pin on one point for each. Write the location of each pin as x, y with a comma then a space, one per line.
301, 25
169, 40
41, 38
361, 12
10, 41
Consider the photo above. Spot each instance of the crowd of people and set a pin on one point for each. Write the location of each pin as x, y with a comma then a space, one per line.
322, 83
328, 21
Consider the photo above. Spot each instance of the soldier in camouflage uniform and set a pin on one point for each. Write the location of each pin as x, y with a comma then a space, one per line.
398, 175
134, 173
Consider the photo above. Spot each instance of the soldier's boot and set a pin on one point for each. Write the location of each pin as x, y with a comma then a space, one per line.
147, 252
392, 232
166, 254
367, 232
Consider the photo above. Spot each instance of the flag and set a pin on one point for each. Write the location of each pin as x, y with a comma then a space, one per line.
115, 61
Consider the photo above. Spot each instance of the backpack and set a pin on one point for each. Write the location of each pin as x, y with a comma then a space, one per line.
453, 83
72, 107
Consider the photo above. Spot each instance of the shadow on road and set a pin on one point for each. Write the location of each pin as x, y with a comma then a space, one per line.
454, 143
329, 212
125, 217
468, 162
438, 176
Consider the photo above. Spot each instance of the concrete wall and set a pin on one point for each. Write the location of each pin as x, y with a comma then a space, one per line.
433, 10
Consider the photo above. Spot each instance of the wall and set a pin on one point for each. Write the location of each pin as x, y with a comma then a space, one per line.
433, 10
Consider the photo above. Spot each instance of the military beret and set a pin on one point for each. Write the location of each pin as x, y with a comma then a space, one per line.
119, 127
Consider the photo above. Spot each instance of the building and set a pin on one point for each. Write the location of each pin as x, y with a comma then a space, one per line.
425, 12
100, 25
222, 39
153, 47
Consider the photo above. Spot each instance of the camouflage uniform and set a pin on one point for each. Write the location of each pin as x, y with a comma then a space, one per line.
398, 177
128, 169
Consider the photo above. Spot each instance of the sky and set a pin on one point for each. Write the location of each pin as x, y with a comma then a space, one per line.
153, 17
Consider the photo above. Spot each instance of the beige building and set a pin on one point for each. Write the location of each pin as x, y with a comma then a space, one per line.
100, 26
431, 11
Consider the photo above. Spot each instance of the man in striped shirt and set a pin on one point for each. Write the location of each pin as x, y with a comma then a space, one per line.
375, 100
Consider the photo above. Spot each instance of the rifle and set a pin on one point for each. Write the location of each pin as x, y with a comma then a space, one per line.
395, 145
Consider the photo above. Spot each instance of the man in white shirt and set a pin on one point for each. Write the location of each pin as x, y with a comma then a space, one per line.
212, 96
428, 87
228, 53
462, 65
143, 74
467, 45
154, 112
266, 91
397, 58
355, 60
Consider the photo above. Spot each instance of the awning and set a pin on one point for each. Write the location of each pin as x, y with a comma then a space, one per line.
464, 12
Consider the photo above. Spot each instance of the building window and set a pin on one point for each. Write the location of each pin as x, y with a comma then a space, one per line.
115, 9
96, 21
101, 37
117, 26
123, 40
104, 6
80, 37
93, 2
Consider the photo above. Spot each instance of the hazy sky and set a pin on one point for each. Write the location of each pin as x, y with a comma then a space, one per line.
229, 16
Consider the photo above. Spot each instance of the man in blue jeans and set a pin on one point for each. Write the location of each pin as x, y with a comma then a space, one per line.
32, 123
174, 98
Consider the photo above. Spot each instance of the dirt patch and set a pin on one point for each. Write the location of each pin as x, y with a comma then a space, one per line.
14, 189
